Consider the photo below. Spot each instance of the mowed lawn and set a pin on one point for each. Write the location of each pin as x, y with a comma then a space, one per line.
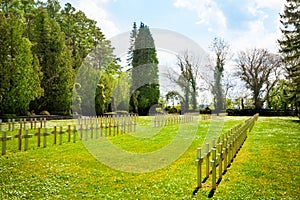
267, 167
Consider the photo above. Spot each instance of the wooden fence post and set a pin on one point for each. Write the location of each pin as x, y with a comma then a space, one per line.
207, 160
213, 163
4, 138
220, 155
199, 168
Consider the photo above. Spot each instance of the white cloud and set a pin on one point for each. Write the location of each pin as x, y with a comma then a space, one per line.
208, 12
274, 4
255, 36
94, 10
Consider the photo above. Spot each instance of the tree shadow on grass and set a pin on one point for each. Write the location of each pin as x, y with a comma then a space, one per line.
297, 121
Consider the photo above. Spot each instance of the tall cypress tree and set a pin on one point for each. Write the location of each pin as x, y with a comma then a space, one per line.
290, 47
145, 81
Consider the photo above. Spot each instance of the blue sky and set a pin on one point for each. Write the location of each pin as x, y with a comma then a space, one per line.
242, 23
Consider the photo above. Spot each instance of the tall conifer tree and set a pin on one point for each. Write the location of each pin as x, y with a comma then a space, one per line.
145, 81
290, 47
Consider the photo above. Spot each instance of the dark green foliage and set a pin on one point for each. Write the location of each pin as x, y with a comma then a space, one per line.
19, 69
290, 48
42, 48
97, 81
55, 60
145, 81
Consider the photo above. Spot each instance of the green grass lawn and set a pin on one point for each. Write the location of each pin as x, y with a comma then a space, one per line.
267, 167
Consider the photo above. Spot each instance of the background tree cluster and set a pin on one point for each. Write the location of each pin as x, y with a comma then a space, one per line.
42, 48
269, 80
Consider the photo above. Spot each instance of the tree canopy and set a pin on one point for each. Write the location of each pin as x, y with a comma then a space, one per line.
42, 48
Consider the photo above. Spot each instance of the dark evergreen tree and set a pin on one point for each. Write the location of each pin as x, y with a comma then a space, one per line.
145, 81
133, 35
81, 34
290, 48
19, 70
54, 59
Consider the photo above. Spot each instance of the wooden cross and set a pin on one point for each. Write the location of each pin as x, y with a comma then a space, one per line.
26, 136
4, 138
74, 134
61, 132
19, 137
69, 133
38, 134
92, 128
54, 133
45, 134
13, 125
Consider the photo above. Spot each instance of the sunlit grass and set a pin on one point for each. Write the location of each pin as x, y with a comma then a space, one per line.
266, 167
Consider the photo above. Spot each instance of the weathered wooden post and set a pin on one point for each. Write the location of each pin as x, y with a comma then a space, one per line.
213, 143
69, 133
4, 138
124, 125
35, 121
213, 163
225, 147
9, 124
54, 132
101, 127
80, 131
13, 125
207, 160
199, 168
26, 136
92, 130
86, 132
31, 123
19, 137
45, 121
38, 134
45, 134
61, 132
220, 162
41, 122
24, 122
135, 121
74, 134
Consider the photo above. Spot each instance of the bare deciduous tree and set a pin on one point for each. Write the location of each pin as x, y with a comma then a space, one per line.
260, 71
187, 78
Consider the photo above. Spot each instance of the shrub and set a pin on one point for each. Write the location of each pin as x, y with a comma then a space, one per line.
44, 112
